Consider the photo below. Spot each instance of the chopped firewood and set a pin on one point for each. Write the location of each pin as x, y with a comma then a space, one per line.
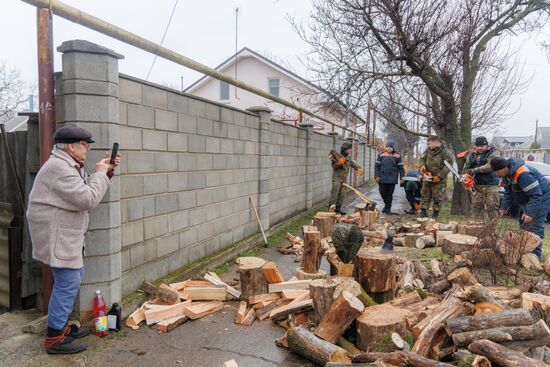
546, 266
230, 363
241, 312
179, 286
471, 228
303, 275
440, 237
271, 273
538, 330
347, 345
400, 358
324, 224
487, 307
399, 241
160, 313
282, 312
341, 269
502, 293
308, 345
249, 317
436, 270
406, 277
304, 296
252, 300
425, 241
505, 357
322, 294
516, 317
530, 301
291, 284
455, 244
399, 343
425, 222
440, 286
479, 294
462, 275
406, 300
263, 312
375, 271
251, 276
205, 293
293, 293
531, 261
216, 280
343, 311
135, 318
312, 253
410, 238
422, 273
376, 323
410, 228
419, 311
170, 324
166, 294
201, 309
282, 341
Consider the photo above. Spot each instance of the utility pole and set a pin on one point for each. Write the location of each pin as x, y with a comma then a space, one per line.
536, 131
236, 45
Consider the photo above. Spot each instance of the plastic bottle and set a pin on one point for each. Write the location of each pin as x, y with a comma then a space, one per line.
114, 317
100, 315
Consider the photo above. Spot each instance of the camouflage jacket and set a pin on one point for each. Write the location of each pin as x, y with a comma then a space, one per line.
341, 171
433, 160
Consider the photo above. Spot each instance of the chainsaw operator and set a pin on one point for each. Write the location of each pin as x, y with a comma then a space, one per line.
529, 189
340, 168
434, 172
484, 199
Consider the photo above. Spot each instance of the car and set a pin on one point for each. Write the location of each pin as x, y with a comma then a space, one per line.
542, 168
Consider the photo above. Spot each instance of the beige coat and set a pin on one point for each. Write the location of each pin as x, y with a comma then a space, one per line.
59, 202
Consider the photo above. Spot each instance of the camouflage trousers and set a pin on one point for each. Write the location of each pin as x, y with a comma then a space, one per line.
484, 202
338, 192
434, 193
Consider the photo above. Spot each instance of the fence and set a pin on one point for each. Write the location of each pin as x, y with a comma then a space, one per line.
188, 169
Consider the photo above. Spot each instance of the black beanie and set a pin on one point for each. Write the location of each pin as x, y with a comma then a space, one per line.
499, 163
481, 140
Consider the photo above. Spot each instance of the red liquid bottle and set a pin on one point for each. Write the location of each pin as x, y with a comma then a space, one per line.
100, 315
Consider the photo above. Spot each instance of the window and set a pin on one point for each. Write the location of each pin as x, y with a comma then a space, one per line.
224, 91
274, 84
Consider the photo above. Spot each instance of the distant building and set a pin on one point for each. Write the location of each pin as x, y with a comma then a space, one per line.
512, 142
261, 72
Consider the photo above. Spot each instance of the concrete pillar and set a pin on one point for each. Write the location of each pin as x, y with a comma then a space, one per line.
366, 165
334, 136
265, 163
90, 99
310, 163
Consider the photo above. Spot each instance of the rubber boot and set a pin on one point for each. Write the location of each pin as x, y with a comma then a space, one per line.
59, 342
412, 210
389, 212
77, 333
435, 214
423, 213
339, 210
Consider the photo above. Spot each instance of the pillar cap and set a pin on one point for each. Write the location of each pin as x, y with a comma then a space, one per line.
87, 47
307, 124
332, 133
258, 109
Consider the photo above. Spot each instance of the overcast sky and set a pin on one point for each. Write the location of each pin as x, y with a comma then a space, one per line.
204, 30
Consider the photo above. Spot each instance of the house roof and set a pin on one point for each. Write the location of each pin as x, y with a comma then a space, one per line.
517, 139
18, 123
543, 136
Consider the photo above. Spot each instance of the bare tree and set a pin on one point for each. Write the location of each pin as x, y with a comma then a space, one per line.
456, 50
12, 92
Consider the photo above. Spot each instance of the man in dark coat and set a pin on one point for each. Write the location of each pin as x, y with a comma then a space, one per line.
412, 186
387, 171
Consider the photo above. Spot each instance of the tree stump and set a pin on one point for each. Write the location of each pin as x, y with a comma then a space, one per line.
311, 252
410, 238
307, 344
425, 241
322, 293
440, 236
324, 225
377, 323
343, 311
375, 272
455, 244
251, 277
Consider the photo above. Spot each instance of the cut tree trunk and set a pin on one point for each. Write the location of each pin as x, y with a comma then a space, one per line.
375, 271
281, 313
377, 323
410, 238
505, 357
455, 244
422, 272
271, 273
308, 345
322, 294
516, 317
425, 241
440, 237
462, 275
251, 277
419, 311
440, 286
531, 261
344, 310
436, 270
400, 358
406, 300
471, 229
311, 253
539, 330
535, 300
324, 225
479, 294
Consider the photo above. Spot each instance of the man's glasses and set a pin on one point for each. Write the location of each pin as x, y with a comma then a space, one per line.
86, 145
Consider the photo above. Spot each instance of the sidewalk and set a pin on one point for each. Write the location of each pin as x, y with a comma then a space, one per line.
209, 341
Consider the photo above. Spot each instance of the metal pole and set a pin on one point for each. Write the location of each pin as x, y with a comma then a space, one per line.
77, 16
46, 112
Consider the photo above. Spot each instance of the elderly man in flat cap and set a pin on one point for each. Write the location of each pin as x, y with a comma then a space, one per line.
59, 202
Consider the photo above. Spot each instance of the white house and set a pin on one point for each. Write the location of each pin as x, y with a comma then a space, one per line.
261, 72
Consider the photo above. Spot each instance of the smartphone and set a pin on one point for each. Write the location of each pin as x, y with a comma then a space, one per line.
114, 153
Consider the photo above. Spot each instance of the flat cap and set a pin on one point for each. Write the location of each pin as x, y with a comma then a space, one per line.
72, 134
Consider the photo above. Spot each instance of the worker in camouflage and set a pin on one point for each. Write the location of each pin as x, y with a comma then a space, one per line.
485, 199
434, 182
341, 164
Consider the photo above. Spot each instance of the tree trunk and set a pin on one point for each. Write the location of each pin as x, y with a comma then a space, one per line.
516, 317
308, 345
377, 323
322, 294
401, 358
375, 271
538, 330
251, 277
324, 225
344, 310
502, 355
311, 253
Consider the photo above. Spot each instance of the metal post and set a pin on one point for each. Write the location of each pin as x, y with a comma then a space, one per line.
46, 112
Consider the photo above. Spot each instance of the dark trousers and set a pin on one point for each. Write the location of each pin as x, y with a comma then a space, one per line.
413, 198
386, 191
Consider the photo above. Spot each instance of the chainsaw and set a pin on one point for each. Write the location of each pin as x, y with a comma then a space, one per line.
466, 179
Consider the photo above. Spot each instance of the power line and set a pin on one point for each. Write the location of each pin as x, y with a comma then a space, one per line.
163, 36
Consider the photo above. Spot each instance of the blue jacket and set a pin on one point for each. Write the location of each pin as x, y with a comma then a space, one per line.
484, 175
389, 167
528, 188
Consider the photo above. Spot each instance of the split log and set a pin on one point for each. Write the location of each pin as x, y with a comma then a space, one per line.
251, 277
291, 284
436, 270
400, 358
425, 222
271, 273
252, 300
179, 286
375, 271
167, 294
440, 237
230, 363
531, 301
399, 241
471, 229
282, 312
422, 272
524, 240
339, 268
263, 313
324, 225
352, 286
160, 313
410, 238
377, 323
308, 345
216, 280
201, 309
241, 312
502, 294
479, 294
360, 207
134, 319
372, 217
419, 311
406, 300
170, 324
425, 241
539, 330
322, 294
344, 310
407, 276
205, 293
531, 261
505, 357
515, 317
311, 253
249, 317
462, 275
455, 244
347, 345
292, 294
440, 286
